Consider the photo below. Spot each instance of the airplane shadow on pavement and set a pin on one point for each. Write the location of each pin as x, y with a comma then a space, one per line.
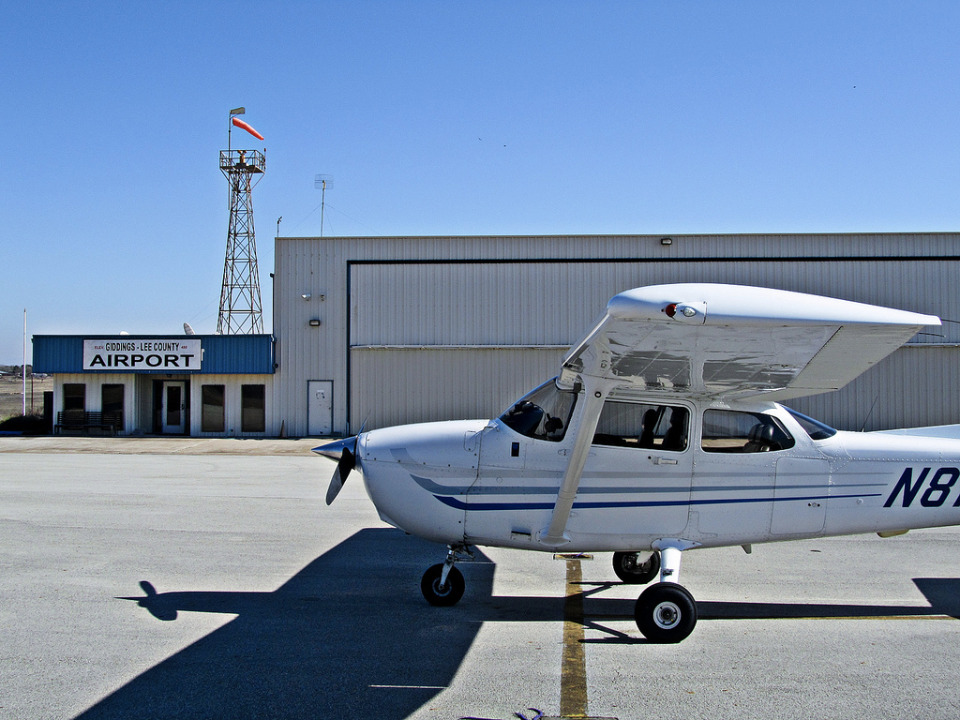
348, 636
351, 636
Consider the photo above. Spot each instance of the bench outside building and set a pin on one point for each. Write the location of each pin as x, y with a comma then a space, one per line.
83, 421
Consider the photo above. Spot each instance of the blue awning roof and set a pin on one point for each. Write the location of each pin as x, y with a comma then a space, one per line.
222, 354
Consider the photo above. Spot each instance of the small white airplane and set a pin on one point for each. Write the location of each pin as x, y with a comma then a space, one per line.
662, 434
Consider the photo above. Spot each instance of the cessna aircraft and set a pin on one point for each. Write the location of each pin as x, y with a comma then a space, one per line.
662, 434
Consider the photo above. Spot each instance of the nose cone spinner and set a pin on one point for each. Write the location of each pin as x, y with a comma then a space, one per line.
333, 450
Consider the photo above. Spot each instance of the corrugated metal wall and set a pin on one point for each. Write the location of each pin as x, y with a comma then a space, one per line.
394, 386
416, 329
545, 303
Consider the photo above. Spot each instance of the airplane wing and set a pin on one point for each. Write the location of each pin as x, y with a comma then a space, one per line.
736, 341
712, 340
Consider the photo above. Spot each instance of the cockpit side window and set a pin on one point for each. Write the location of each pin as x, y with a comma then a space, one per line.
727, 431
643, 426
542, 414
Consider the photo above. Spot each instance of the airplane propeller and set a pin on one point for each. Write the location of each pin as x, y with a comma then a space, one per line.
345, 452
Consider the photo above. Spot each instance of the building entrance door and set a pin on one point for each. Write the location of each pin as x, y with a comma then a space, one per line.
173, 408
320, 407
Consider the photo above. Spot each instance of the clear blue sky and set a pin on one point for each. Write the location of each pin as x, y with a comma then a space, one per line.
460, 118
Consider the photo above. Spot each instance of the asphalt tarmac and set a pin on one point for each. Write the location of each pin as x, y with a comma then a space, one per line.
158, 578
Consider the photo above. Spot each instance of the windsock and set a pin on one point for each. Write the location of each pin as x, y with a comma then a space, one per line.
244, 126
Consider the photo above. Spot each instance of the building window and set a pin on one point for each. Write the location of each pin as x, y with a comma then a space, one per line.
212, 408
74, 396
112, 405
252, 408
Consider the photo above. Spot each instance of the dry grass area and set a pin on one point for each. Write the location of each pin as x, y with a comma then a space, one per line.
11, 395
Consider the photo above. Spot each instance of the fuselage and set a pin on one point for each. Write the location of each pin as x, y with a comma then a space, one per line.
731, 475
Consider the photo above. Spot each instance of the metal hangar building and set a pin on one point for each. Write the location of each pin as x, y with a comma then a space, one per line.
388, 330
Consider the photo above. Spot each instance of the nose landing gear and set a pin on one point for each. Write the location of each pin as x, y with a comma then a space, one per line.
443, 584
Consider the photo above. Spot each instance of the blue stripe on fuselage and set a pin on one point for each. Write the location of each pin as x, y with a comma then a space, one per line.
461, 505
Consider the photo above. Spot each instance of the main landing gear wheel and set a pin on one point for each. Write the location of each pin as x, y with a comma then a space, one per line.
630, 571
435, 593
666, 613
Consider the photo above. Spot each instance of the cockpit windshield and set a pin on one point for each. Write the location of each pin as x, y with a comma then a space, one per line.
543, 413
815, 429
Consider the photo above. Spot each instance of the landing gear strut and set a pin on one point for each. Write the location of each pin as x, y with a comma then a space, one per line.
665, 612
443, 584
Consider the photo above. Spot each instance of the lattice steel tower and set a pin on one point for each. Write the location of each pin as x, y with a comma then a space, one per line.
240, 295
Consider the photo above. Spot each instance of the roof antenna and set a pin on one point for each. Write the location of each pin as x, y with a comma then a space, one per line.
322, 183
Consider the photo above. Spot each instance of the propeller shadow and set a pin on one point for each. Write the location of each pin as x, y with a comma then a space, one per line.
342, 638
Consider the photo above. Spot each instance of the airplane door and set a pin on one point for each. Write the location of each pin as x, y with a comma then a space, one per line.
320, 407
637, 480
173, 408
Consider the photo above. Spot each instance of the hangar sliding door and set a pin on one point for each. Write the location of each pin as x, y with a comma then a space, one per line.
462, 339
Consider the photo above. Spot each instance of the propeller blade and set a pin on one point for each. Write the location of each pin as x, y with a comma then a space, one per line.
344, 467
342, 451
337, 482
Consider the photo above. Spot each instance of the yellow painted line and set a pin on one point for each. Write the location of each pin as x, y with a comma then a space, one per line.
574, 683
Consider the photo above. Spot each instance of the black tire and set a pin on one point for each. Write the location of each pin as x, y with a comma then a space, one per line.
666, 613
630, 571
435, 594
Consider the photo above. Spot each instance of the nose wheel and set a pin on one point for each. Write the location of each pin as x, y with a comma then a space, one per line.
442, 594
443, 584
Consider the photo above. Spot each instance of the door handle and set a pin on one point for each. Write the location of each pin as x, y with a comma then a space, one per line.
662, 461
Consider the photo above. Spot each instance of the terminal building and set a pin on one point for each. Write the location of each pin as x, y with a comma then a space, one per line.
389, 330
201, 385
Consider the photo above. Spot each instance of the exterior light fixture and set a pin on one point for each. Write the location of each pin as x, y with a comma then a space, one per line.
666, 241
314, 322
306, 296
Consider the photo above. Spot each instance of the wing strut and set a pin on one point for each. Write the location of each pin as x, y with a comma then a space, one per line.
596, 391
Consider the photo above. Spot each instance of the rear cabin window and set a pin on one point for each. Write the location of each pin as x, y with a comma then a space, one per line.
727, 431
643, 426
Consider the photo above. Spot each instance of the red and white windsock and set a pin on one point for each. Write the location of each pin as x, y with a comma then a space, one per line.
244, 126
